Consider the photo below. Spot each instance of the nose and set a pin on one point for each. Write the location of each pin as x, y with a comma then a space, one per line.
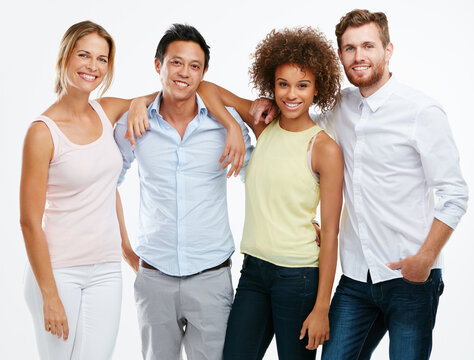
291, 93
92, 64
184, 71
360, 54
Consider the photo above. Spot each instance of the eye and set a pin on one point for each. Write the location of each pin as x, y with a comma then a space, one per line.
370, 46
175, 62
82, 55
302, 86
282, 84
349, 48
104, 60
195, 67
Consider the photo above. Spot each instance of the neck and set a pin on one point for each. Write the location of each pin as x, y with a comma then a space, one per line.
299, 124
175, 111
75, 102
372, 89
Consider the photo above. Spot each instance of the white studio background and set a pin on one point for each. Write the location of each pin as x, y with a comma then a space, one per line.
433, 52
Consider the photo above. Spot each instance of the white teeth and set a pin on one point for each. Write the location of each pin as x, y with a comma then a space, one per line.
361, 68
179, 83
291, 105
87, 77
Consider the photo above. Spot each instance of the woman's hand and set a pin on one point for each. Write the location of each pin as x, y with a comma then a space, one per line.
137, 120
234, 150
317, 326
132, 259
55, 320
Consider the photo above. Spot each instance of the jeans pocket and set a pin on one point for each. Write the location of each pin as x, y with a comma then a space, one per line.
290, 273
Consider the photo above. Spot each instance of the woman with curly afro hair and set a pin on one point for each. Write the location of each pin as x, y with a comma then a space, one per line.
286, 277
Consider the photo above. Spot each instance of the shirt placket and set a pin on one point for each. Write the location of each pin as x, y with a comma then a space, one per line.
181, 207
357, 182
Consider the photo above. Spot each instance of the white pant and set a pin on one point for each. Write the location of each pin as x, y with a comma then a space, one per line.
92, 297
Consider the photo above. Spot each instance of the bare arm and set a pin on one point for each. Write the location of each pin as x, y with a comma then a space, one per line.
328, 162
37, 153
127, 252
116, 107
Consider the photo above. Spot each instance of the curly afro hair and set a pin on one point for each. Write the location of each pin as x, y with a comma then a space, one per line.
305, 47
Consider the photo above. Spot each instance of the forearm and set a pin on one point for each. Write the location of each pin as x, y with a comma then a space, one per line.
126, 247
435, 241
39, 258
327, 268
217, 98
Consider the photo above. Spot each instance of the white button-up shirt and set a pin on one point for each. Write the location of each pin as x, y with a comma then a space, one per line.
398, 154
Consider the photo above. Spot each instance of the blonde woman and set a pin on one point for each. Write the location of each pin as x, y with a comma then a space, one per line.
69, 205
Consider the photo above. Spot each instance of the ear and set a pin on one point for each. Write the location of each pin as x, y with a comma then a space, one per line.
388, 52
339, 54
157, 65
315, 92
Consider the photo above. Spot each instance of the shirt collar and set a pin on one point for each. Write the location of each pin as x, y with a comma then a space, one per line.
154, 108
377, 99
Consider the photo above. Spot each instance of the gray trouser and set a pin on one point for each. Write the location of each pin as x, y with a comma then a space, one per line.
190, 310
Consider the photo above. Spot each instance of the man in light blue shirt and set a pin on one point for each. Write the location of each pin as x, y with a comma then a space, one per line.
183, 288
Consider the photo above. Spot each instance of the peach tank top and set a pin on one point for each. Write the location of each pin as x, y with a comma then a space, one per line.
80, 219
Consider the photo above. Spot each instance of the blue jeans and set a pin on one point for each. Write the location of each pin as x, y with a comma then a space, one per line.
270, 300
361, 313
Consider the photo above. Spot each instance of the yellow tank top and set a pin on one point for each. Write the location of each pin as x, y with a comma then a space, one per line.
281, 197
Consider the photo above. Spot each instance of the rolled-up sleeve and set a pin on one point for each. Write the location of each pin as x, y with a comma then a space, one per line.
440, 160
128, 154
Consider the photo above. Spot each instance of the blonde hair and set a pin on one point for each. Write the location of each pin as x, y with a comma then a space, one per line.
68, 42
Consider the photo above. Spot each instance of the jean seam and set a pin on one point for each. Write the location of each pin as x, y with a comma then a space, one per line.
366, 335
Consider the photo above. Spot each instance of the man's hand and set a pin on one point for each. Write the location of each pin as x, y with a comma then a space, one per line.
318, 233
415, 268
137, 120
263, 110
317, 325
234, 150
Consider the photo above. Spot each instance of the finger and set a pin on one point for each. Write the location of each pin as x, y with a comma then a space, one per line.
141, 126
233, 168
53, 329
224, 154
65, 330
303, 330
129, 134
229, 159
147, 123
241, 165
47, 326
311, 342
136, 130
59, 331
395, 265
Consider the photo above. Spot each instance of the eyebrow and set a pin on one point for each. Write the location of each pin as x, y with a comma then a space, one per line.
182, 59
88, 52
304, 80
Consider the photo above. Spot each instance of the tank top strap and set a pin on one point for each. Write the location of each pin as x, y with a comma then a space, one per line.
102, 115
55, 132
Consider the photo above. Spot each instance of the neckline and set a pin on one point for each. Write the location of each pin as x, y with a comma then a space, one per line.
69, 141
295, 132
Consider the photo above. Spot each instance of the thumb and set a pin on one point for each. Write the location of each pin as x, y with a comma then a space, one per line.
395, 265
303, 330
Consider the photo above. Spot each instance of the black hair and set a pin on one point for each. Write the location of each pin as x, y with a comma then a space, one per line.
182, 32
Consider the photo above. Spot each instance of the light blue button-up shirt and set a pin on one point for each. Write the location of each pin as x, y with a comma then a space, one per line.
183, 221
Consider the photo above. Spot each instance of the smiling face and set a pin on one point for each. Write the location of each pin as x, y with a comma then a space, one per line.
364, 58
88, 63
294, 91
182, 70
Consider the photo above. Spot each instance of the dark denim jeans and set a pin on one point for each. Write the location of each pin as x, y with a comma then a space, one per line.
361, 313
269, 300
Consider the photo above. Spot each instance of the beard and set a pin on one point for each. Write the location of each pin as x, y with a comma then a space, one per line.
361, 82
